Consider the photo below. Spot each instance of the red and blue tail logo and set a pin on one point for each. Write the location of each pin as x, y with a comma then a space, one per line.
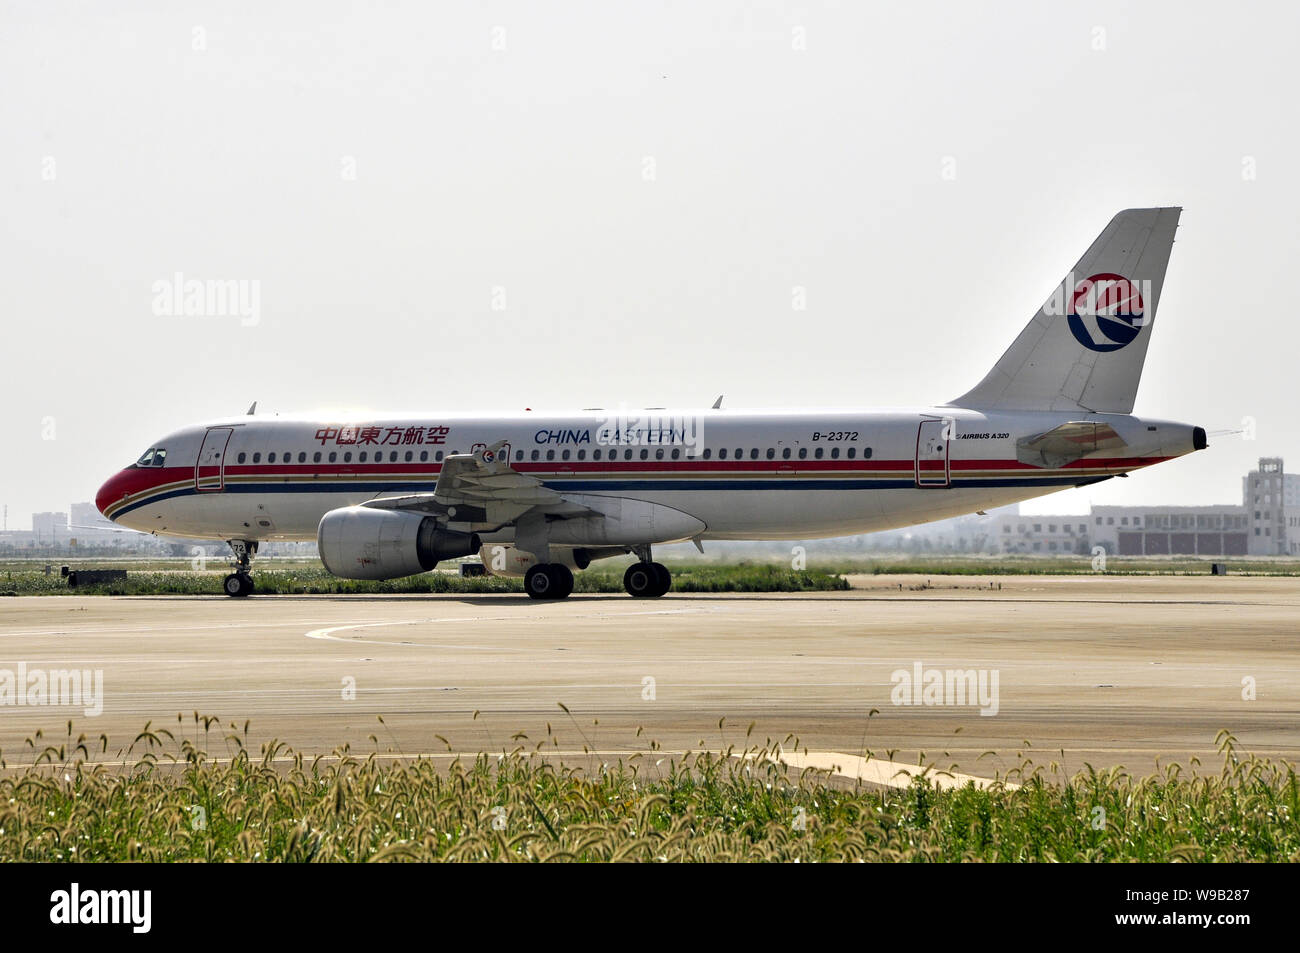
1106, 312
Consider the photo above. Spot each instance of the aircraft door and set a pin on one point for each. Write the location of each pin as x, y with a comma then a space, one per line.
210, 468
932, 439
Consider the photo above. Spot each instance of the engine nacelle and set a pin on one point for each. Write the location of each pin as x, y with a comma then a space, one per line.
366, 542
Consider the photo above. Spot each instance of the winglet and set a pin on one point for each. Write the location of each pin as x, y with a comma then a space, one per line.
252, 409
717, 404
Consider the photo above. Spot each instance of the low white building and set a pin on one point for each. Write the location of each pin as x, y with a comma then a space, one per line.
50, 529
1171, 530
1267, 523
1056, 535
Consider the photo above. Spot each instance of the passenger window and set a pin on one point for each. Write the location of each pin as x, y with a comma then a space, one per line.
564, 455
835, 453
739, 453
866, 453
803, 453
424, 456
361, 457
771, 454
852, 452
550, 454
753, 454
595, 454
240, 458
819, 452
537, 454
785, 453
410, 455
708, 452
519, 455
347, 456
676, 453
333, 456
315, 457
257, 458
438, 455
627, 454
722, 454
302, 456
645, 454
582, 454
659, 453
270, 458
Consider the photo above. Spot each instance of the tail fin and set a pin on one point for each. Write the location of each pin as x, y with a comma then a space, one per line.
1085, 347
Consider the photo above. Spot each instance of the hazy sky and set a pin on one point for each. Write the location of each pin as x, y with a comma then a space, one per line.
499, 205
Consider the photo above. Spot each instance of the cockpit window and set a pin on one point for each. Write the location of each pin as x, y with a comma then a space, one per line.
159, 457
145, 458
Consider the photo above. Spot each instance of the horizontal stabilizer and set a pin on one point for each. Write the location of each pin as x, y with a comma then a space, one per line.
1067, 443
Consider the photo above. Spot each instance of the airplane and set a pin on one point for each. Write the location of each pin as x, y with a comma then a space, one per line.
542, 495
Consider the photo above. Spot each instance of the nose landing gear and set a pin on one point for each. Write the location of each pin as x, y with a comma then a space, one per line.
239, 583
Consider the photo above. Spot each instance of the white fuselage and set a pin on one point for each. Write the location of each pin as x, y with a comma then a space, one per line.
743, 475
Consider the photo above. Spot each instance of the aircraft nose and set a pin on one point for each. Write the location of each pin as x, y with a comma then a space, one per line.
110, 492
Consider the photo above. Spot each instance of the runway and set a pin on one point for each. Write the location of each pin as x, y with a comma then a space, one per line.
1095, 669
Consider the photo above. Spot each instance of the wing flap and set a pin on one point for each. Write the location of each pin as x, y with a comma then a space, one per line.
482, 488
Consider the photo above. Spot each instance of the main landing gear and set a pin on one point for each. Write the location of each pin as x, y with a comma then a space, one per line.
647, 580
548, 581
644, 579
239, 583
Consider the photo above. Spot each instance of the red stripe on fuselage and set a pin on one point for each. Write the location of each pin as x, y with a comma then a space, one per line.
133, 481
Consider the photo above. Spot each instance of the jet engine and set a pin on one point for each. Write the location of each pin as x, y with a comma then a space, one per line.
366, 542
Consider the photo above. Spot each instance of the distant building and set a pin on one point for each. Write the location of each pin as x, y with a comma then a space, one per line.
50, 529
1043, 534
1271, 498
1266, 524
87, 524
1171, 530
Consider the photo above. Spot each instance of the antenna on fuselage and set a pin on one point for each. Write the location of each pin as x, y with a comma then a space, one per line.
252, 409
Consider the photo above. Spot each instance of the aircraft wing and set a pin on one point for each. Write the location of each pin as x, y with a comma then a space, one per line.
482, 487
486, 476
1067, 443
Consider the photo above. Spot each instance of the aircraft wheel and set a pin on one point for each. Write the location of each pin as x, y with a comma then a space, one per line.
538, 583
237, 584
548, 581
642, 581
663, 578
561, 580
